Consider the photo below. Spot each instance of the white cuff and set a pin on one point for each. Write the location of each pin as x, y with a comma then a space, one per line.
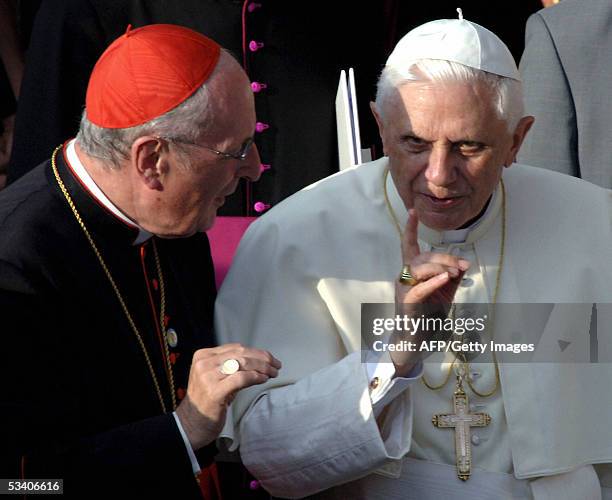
384, 385
195, 466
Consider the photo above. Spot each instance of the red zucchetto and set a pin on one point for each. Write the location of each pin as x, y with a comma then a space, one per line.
147, 72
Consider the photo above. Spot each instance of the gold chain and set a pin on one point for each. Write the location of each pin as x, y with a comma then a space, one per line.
444, 382
466, 364
162, 314
120, 297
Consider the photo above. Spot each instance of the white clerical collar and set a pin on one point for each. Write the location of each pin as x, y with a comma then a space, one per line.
440, 238
79, 170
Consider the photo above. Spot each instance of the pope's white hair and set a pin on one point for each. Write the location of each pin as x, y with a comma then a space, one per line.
186, 123
507, 92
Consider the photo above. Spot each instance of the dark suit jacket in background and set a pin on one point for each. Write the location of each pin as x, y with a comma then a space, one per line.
567, 75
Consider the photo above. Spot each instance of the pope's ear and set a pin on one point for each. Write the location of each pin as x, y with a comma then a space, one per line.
380, 123
147, 159
520, 132
377, 117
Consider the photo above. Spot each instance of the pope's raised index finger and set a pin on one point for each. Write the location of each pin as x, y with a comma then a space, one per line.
410, 239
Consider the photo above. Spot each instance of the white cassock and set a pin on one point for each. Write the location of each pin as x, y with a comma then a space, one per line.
296, 287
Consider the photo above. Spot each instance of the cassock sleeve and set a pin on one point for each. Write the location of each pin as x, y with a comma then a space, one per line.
549, 99
313, 427
41, 431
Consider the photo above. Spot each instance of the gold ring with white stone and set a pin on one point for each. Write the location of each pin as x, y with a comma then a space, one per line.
230, 366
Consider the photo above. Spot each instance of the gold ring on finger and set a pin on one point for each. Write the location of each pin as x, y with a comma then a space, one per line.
230, 366
406, 277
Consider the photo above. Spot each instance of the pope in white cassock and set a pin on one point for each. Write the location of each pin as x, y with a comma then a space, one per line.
449, 213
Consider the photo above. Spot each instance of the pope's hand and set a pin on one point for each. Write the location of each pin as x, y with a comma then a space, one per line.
210, 391
438, 276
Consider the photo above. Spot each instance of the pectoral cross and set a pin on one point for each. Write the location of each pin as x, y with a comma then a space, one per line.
461, 421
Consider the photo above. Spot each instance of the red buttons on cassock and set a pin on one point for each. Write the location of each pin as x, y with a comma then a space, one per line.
260, 206
254, 46
258, 86
180, 393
